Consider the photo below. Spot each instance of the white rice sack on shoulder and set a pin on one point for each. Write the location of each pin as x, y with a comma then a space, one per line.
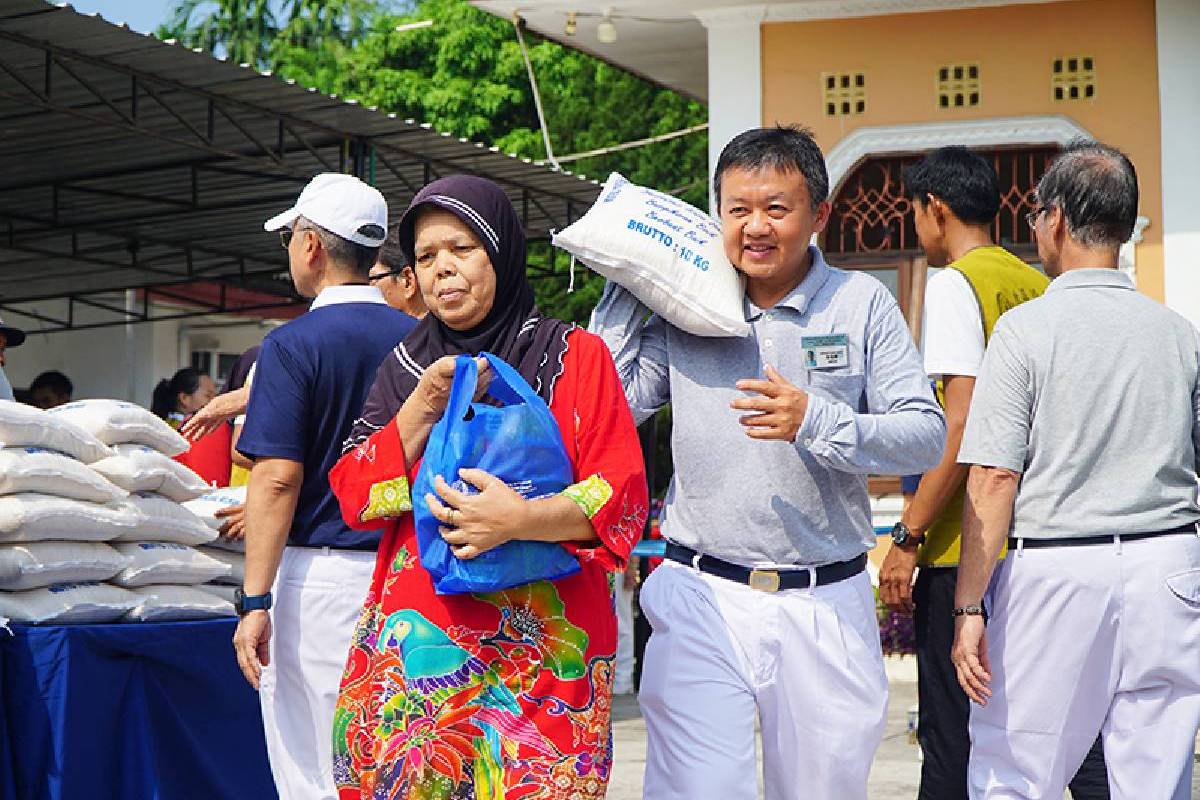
163, 520
669, 254
138, 468
224, 591
235, 561
166, 562
207, 505
32, 517
118, 422
26, 426
33, 565
71, 602
175, 603
36, 469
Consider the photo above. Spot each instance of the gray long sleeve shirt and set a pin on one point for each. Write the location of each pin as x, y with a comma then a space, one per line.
839, 336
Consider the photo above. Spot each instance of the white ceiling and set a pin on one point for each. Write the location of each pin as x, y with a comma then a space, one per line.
665, 41
662, 41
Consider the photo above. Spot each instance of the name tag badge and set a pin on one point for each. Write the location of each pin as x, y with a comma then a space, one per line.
826, 352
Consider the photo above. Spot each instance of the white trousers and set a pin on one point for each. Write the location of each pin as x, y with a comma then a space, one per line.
805, 662
623, 598
319, 595
1086, 640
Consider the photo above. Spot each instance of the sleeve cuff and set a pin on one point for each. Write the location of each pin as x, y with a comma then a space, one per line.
590, 494
937, 369
982, 459
812, 429
387, 499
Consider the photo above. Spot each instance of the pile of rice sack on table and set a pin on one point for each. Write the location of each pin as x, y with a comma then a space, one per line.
92, 522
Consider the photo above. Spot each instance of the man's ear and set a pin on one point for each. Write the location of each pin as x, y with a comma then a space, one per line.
821, 215
936, 208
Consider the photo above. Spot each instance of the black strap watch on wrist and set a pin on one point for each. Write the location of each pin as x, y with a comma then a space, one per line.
968, 611
903, 537
244, 603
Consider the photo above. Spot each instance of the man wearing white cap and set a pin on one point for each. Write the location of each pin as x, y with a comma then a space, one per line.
306, 572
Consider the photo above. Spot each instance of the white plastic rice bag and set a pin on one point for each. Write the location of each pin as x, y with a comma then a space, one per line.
163, 520
669, 254
173, 603
70, 602
32, 517
32, 565
36, 469
235, 561
222, 590
207, 505
138, 468
118, 422
166, 562
26, 426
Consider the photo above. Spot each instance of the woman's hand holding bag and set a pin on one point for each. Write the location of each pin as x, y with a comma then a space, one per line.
498, 458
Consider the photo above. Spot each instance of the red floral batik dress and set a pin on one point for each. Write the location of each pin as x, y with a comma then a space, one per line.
500, 696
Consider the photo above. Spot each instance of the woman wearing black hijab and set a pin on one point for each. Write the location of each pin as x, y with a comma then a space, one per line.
508, 694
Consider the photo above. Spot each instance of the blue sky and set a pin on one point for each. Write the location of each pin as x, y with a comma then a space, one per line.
141, 15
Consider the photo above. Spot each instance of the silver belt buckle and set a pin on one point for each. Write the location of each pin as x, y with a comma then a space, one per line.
764, 580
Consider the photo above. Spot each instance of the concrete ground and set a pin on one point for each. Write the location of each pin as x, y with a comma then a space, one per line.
894, 775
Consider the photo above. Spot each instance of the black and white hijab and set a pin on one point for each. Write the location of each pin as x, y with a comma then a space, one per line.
514, 329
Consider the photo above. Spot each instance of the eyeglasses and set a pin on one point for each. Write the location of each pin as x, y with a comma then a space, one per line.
391, 273
286, 234
1032, 216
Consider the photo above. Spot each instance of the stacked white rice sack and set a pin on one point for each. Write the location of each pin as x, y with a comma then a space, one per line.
232, 553
89, 531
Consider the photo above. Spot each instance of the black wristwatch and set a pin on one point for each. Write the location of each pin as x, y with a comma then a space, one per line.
903, 537
244, 603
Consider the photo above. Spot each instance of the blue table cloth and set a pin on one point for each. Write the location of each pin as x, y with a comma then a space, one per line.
156, 711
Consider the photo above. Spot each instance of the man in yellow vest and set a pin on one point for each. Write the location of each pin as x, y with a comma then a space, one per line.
955, 197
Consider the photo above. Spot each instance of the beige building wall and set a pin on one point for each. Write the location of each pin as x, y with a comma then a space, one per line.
1015, 47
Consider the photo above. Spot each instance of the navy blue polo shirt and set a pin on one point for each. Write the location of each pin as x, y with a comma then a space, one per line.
310, 383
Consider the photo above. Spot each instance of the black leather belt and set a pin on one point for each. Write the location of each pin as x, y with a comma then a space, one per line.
1111, 538
767, 580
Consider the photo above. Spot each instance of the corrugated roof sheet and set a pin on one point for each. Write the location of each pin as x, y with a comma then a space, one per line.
126, 161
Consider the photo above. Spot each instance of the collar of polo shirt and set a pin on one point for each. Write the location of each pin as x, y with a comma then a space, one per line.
1091, 276
799, 297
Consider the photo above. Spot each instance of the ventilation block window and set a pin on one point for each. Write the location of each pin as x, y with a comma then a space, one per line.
1073, 78
844, 93
958, 86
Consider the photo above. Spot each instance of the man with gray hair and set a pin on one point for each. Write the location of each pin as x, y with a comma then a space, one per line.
307, 573
1082, 438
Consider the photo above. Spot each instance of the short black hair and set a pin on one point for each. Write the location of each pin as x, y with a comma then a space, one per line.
963, 180
356, 257
785, 148
391, 254
53, 380
1096, 188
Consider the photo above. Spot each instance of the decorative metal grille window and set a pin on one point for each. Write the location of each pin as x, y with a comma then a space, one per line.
872, 215
1073, 78
958, 85
844, 93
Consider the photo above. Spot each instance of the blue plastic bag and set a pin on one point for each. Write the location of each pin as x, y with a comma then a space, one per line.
518, 443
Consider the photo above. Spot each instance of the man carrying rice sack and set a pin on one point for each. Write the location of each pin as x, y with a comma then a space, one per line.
763, 608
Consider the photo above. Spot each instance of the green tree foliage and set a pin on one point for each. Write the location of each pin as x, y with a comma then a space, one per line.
465, 75
242, 30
